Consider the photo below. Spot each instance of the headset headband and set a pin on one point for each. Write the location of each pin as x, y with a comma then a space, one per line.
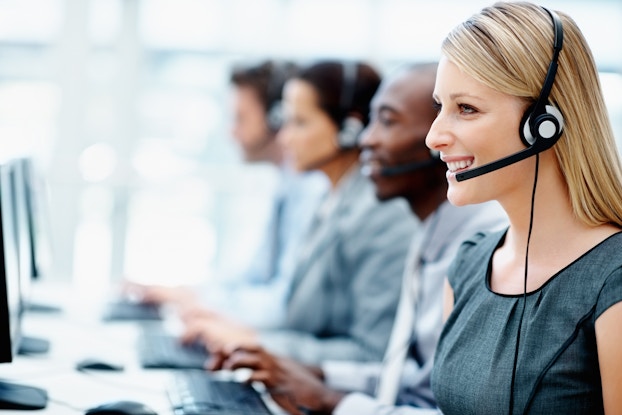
349, 86
540, 106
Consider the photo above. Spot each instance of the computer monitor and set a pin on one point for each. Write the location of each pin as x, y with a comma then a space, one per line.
10, 301
33, 244
36, 208
17, 192
12, 396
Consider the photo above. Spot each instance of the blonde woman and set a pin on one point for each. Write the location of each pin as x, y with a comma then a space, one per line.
534, 312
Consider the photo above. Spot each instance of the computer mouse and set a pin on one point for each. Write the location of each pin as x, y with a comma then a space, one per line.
98, 364
121, 408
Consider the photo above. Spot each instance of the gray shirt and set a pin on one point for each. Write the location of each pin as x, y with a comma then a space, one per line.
444, 231
346, 283
557, 368
258, 297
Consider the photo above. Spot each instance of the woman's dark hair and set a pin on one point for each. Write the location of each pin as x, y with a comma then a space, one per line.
343, 88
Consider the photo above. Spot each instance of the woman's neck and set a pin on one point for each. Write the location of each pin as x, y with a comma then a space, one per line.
273, 153
552, 211
557, 238
336, 168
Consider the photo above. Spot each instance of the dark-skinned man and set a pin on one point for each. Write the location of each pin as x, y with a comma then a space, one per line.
396, 159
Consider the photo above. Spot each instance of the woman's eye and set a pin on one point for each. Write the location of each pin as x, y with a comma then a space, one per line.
466, 109
437, 107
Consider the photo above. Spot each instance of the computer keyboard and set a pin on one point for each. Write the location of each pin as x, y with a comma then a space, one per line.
197, 392
160, 350
125, 310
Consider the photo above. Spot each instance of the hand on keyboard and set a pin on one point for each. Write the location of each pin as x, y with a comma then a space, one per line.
158, 294
292, 385
219, 332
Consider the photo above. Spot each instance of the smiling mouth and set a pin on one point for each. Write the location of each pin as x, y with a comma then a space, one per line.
455, 166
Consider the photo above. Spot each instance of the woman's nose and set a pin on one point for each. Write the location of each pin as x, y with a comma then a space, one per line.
437, 137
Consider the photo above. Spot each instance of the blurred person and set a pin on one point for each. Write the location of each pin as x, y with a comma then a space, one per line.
398, 162
257, 295
347, 278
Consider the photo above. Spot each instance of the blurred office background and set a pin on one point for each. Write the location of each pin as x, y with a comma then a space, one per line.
123, 105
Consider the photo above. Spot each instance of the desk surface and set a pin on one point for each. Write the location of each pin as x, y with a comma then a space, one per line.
76, 333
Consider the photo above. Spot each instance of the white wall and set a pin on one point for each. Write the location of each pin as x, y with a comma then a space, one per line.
124, 105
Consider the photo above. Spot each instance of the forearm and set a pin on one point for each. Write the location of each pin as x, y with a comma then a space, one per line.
258, 306
311, 350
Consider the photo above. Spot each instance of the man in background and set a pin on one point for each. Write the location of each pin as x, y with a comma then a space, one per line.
257, 296
397, 160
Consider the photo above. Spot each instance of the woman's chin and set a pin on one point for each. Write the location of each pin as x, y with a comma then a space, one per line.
460, 198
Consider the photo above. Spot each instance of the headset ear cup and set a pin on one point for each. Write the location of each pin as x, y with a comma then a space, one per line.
525, 130
274, 117
348, 136
551, 124
546, 127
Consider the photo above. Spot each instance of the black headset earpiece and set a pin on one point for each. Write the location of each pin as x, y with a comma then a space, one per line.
275, 117
547, 126
351, 127
542, 124
274, 114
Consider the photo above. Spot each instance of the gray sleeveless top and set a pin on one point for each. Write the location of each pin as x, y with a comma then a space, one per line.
557, 370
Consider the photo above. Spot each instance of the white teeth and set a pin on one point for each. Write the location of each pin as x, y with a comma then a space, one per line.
456, 165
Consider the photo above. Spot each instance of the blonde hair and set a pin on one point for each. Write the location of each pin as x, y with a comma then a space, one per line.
508, 47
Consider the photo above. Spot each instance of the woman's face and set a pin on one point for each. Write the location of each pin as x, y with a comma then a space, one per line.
309, 134
476, 125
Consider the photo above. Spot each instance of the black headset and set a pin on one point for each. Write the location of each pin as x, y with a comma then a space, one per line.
351, 127
542, 124
541, 127
274, 114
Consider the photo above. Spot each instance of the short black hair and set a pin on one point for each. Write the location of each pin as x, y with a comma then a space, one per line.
266, 78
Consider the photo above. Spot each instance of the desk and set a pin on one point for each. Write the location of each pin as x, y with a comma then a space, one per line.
78, 332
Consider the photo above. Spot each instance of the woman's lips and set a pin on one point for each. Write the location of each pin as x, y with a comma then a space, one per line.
454, 166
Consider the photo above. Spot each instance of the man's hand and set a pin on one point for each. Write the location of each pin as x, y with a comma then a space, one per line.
190, 313
218, 332
159, 294
293, 386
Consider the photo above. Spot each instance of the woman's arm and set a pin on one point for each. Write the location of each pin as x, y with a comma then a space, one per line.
448, 300
608, 340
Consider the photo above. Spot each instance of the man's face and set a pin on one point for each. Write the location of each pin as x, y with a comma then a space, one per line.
401, 115
250, 128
